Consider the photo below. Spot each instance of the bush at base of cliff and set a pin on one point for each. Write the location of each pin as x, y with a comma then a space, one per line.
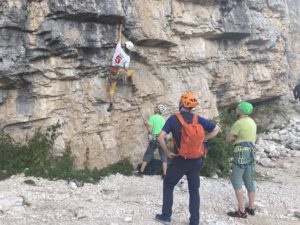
34, 159
16, 157
217, 161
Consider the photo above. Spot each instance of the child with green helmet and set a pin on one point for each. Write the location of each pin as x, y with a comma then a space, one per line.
243, 135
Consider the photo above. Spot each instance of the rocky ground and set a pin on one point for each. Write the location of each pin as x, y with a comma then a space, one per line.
120, 200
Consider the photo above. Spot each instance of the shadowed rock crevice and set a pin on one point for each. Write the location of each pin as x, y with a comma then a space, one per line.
25, 98
89, 17
155, 43
104, 11
203, 2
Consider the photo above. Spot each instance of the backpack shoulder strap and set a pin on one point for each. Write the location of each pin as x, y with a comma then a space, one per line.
195, 119
180, 118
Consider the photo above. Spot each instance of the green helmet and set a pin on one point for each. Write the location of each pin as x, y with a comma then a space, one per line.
245, 107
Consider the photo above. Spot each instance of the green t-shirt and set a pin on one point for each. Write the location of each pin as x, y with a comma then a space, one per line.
245, 130
157, 122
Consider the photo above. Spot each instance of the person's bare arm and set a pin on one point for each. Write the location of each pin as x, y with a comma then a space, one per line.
213, 133
120, 33
230, 137
149, 128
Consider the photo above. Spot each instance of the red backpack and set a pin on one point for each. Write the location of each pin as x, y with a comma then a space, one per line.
192, 138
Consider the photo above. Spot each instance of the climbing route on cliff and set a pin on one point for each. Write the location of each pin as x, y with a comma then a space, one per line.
65, 48
120, 67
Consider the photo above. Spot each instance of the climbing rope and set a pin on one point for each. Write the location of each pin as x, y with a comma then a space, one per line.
139, 109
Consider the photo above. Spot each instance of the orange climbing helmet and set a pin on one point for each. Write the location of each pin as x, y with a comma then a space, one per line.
188, 100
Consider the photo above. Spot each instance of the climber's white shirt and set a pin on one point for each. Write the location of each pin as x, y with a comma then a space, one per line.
120, 58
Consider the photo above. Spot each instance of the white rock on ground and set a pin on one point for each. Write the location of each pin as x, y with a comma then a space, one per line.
266, 162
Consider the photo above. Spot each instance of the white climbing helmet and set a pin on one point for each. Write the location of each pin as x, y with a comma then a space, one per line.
161, 108
129, 45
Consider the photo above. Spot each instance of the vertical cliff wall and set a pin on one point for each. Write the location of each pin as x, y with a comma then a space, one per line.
55, 56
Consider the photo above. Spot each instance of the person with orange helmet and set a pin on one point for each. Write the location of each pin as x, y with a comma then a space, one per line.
188, 100
120, 65
184, 127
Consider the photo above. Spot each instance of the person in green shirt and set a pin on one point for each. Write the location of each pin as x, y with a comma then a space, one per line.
154, 126
243, 136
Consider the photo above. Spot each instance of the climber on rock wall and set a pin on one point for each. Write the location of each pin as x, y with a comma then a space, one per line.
120, 65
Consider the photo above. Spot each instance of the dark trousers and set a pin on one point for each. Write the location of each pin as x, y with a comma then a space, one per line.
176, 170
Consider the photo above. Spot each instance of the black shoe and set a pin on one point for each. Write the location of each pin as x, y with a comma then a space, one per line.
162, 220
110, 107
138, 173
238, 214
163, 177
250, 211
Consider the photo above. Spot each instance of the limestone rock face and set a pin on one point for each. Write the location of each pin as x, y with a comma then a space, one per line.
55, 56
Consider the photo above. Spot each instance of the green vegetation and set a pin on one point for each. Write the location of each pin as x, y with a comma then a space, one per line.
34, 159
15, 157
217, 161
4, 175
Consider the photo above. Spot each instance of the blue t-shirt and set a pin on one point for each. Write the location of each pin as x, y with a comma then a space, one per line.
174, 126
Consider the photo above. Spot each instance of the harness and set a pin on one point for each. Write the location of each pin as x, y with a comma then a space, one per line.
245, 144
241, 151
118, 74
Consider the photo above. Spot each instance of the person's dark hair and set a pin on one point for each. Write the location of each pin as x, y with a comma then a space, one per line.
125, 49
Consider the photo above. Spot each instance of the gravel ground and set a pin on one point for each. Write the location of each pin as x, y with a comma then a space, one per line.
119, 200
